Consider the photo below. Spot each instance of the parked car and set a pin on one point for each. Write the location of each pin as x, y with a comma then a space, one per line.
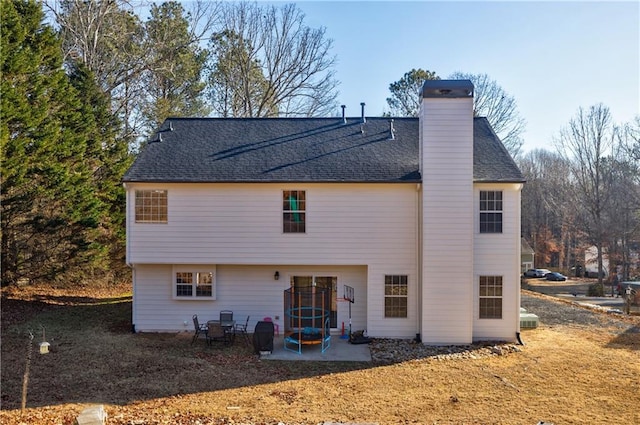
536, 272
555, 276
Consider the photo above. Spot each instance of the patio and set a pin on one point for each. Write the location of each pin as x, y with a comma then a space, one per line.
340, 351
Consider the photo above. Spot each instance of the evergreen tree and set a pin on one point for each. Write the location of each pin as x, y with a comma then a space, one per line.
173, 80
49, 211
108, 158
405, 93
236, 78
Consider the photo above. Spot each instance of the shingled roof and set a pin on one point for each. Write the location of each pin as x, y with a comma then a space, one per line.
200, 150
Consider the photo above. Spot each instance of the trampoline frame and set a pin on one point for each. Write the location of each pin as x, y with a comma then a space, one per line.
296, 334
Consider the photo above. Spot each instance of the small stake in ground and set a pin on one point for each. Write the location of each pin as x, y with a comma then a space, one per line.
25, 378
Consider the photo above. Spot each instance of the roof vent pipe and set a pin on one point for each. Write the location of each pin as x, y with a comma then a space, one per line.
159, 137
392, 130
362, 106
344, 119
170, 126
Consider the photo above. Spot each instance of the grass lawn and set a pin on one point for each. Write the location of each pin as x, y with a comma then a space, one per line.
564, 375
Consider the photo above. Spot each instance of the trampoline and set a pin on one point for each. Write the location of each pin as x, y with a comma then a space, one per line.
307, 319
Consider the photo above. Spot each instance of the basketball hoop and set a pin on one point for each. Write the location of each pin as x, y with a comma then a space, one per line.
348, 296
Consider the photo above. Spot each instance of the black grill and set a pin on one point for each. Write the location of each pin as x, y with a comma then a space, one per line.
263, 337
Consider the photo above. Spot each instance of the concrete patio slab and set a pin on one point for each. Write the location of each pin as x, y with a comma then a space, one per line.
339, 351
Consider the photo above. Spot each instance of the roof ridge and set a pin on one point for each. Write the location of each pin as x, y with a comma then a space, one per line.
358, 117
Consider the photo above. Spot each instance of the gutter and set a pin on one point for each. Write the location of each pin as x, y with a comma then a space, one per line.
418, 262
127, 220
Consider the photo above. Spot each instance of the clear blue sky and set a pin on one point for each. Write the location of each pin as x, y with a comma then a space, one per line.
553, 57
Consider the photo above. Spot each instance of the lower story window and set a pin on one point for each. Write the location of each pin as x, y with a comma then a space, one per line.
194, 284
395, 296
490, 297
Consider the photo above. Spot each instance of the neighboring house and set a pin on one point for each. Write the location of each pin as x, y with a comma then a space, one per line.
591, 262
629, 265
421, 216
527, 256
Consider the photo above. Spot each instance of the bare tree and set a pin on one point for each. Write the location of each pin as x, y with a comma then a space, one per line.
501, 109
624, 211
269, 63
547, 220
586, 144
109, 38
629, 135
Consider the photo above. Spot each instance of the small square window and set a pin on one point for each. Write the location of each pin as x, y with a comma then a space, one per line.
151, 206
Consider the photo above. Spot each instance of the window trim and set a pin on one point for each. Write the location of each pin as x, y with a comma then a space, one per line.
158, 216
403, 280
494, 207
496, 283
195, 271
300, 212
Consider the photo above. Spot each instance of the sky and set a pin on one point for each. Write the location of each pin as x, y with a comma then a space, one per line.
552, 57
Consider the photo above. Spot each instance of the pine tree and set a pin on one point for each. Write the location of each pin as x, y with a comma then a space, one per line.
49, 210
107, 158
174, 78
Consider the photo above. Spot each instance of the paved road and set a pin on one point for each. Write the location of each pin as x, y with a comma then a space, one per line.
553, 313
575, 290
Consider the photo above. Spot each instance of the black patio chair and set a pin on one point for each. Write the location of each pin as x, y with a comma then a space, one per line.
200, 329
226, 315
242, 329
217, 332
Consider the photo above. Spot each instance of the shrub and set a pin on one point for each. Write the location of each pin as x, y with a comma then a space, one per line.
595, 290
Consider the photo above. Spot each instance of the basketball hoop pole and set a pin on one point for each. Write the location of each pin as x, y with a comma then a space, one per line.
348, 295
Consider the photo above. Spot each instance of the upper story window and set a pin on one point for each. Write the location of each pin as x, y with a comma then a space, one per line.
294, 206
194, 284
490, 211
490, 297
395, 296
151, 206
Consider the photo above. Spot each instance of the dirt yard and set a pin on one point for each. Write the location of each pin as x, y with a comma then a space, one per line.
570, 371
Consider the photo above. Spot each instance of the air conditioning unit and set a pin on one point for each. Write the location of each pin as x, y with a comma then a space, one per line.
528, 321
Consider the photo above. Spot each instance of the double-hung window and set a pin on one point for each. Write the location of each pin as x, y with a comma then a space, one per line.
294, 205
490, 211
194, 283
151, 206
490, 297
395, 296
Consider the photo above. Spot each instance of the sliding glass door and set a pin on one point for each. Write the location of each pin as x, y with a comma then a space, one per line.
321, 282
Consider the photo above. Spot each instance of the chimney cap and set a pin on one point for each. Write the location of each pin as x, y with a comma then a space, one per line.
447, 89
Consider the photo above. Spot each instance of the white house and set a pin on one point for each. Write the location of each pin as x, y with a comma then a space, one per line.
527, 256
420, 216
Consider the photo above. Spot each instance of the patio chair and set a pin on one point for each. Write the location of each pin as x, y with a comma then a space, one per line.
200, 329
226, 315
242, 329
217, 332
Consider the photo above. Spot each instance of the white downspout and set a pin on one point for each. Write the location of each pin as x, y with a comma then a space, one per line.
418, 260
127, 221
